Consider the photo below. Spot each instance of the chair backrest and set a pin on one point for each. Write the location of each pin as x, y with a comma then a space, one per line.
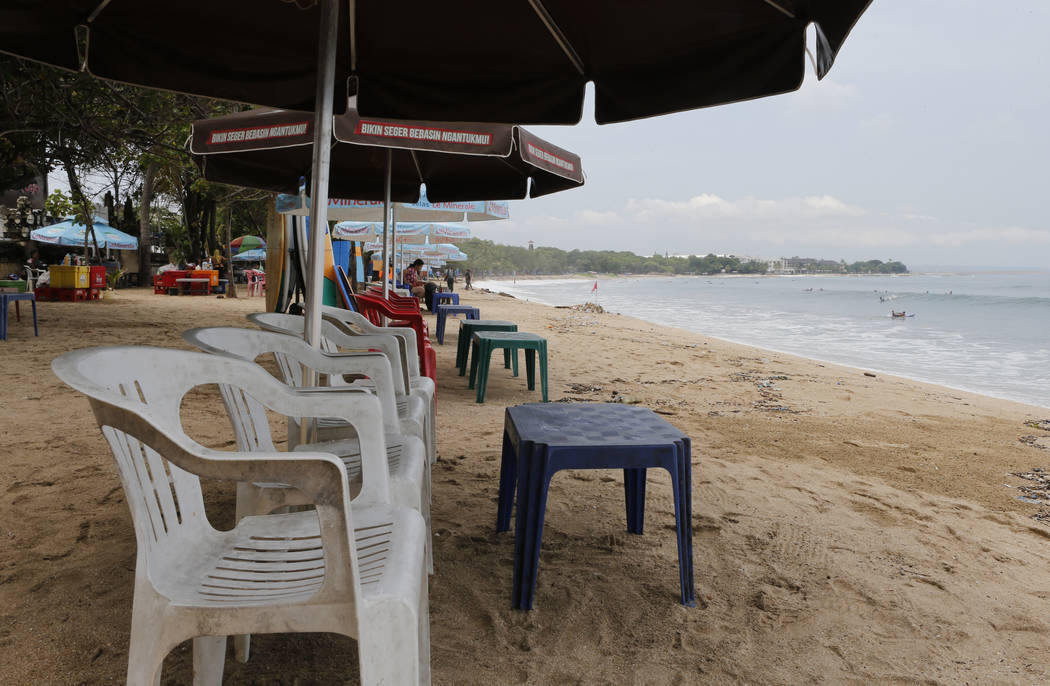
333, 338
351, 322
136, 393
292, 354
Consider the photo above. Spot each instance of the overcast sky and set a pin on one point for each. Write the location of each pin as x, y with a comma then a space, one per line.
927, 143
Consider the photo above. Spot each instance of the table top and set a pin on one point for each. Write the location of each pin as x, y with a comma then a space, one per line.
453, 308
590, 424
18, 295
484, 322
509, 335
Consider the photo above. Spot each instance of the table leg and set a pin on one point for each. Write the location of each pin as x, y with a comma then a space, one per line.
506, 358
530, 368
528, 532
18, 312
543, 369
3, 318
508, 479
441, 325
36, 331
476, 348
682, 486
464, 336
485, 353
634, 496
514, 361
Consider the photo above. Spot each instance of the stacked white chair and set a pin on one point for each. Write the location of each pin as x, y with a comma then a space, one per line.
355, 570
399, 347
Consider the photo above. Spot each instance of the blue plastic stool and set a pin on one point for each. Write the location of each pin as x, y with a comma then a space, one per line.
446, 297
539, 439
443, 311
5, 300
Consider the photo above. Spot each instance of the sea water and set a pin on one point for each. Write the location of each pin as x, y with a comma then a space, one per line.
986, 332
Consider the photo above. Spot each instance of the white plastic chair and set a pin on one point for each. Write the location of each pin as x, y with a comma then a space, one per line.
355, 570
406, 456
399, 349
292, 354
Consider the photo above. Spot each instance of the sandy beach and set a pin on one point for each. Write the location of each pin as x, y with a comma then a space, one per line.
848, 528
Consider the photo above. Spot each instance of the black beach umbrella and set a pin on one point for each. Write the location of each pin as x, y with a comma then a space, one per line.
384, 159
466, 60
272, 149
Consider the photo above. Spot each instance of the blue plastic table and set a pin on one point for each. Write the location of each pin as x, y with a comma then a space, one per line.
446, 297
539, 439
5, 300
443, 311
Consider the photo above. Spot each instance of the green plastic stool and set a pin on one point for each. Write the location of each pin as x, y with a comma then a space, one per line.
467, 327
484, 342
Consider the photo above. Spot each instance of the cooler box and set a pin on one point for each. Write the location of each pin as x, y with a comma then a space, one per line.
212, 274
69, 277
168, 277
12, 286
98, 277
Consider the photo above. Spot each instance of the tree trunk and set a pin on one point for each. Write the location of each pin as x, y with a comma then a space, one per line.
80, 199
145, 235
231, 287
212, 221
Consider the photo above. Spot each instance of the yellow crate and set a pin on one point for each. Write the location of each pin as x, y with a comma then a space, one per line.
69, 277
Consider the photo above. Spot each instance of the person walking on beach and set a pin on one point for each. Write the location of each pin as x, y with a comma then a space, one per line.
450, 280
466, 281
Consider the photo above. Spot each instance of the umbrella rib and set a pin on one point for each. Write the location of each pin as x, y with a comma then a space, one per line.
782, 10
98, 10
353, 35
415, 161
559, 37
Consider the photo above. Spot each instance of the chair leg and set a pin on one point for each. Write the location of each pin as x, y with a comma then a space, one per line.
209, 657
145, 657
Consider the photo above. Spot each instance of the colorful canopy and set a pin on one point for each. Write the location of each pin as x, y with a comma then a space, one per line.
70, 233
244, 243
405, 232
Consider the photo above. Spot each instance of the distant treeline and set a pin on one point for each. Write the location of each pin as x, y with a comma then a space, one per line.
490, 257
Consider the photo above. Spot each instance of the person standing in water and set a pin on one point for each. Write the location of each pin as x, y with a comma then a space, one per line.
450, 280
466, 280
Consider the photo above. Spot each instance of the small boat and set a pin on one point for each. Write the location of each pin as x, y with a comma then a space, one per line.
900, 314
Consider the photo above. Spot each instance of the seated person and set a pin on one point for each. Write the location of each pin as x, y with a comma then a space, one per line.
418, 287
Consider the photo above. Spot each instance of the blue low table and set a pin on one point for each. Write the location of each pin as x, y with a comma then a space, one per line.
5, 301
539, 439
444, 311
446, 297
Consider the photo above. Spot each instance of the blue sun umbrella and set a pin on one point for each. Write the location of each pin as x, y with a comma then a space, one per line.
71, 234
254, 255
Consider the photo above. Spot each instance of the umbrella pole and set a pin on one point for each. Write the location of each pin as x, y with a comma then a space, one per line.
322, 160
387, 240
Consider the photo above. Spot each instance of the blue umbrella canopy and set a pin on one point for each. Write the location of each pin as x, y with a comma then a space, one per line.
254, 255
70, 233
